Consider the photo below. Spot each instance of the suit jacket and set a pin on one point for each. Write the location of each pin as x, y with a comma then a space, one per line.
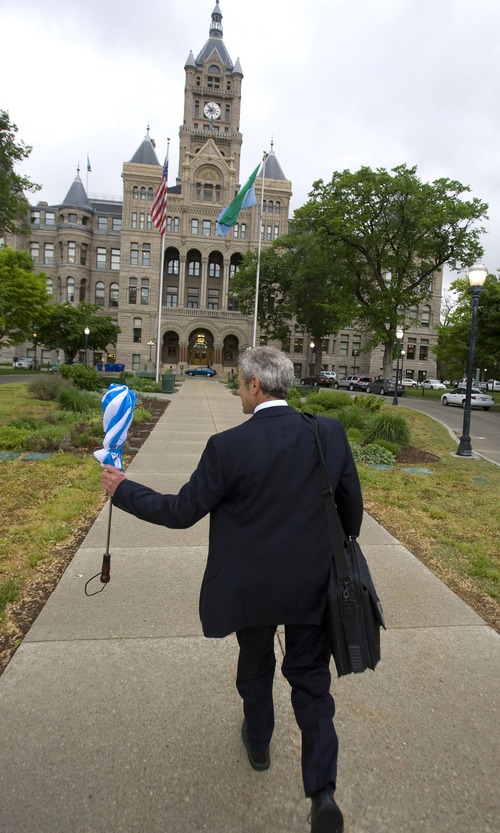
269, 551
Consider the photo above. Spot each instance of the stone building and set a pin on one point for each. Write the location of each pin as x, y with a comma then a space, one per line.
109, 253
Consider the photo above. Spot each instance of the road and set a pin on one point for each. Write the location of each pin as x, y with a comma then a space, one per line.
484, 427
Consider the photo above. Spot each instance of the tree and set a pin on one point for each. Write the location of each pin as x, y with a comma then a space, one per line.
454, 333
389, 234
13, 203
23, 297
297, 282
64, 328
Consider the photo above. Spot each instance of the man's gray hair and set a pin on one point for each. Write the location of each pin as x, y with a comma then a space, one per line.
271, 367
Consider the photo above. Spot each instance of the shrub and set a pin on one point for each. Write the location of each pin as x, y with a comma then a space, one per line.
394, 448
354, 435
12, 438
85, 378
79, 401
141, 415
388, 426
369, 402
313, 407
47, 387
353, 417
293, 397
125, 377
49, 438
373, 454
377, 455
330, 400
31, 423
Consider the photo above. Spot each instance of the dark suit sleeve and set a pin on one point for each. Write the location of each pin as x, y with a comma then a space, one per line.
204, 490
347, 493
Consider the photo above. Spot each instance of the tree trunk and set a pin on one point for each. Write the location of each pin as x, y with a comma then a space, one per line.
388, 362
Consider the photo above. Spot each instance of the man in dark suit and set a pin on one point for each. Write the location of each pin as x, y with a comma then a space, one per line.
268, 559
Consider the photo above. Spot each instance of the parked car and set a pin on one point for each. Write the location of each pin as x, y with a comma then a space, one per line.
317, 381
25, 364
477, 399
329, 374
202, 370
354, 382
409, 383
432, 384
493, 384
385, 387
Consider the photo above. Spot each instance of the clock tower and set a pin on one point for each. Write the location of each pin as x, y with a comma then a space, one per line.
212, 105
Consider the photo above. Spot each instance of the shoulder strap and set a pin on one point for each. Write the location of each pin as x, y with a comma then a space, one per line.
337, 533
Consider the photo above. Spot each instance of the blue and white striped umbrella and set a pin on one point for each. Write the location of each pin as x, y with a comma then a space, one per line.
118, 409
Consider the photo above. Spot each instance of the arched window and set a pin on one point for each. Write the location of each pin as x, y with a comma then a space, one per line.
264, 205
172, 258
50, 287
270, 206
413, 313
150, 193
83, 290
70, 290
99, 294
215, 263
425, 320
135, 192
277, 207
193, 260
143, 193
114, 291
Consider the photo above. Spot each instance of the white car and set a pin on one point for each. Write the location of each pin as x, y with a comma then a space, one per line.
478, 399
328, 374
433, 384
493, 384
408, 383
26, 364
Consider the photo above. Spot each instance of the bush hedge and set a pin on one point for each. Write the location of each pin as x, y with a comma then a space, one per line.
388, 426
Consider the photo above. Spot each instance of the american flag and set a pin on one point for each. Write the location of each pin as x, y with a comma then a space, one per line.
159, 205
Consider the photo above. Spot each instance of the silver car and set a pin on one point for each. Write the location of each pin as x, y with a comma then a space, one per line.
478, 399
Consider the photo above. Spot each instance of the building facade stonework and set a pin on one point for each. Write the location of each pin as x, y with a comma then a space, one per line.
108, 252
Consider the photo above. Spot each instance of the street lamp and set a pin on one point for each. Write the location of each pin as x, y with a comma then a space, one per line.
477, 277
399, 336
150, 345
355, 354
86, 333
34, 347
403, 354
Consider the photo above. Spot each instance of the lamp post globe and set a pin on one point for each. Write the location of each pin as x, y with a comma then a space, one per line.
399, 337
86, 333
477, 276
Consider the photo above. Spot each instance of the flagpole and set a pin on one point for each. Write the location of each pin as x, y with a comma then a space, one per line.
259, 248
160, 289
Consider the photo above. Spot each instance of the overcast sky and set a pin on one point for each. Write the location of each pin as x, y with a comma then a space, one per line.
336, 84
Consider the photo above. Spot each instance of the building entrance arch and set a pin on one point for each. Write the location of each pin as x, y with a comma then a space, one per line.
170, 348
201, 347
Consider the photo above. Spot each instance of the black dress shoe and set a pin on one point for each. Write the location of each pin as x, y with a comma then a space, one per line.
258, 760
326, 816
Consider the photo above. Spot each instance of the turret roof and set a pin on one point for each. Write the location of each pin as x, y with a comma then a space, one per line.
77, 196
273, 167
145, 153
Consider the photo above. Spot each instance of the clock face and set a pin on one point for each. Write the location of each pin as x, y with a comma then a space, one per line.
212, 110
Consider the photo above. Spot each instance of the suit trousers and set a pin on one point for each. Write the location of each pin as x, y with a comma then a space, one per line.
306, 667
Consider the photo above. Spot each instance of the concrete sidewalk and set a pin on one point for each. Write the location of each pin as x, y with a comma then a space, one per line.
118, 716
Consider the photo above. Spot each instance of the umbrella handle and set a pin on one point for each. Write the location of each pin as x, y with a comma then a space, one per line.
105, 569
106, 559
